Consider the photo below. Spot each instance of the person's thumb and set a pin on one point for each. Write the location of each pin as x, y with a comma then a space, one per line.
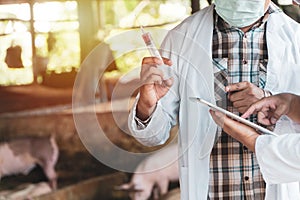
169, 82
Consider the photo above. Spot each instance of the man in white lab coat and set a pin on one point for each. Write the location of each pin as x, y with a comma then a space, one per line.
206, 52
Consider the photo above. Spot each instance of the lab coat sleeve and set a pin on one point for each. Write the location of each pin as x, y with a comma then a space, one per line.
156, 132
164, 117
279, 157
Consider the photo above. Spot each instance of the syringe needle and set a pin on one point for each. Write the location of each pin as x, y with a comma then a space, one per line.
142, 29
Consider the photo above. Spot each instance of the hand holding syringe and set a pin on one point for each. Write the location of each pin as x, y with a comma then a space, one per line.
155, 53
155, 79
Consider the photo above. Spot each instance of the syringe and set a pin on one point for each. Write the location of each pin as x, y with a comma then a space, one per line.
167, 71
150, 44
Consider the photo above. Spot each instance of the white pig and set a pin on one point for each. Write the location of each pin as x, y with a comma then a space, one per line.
22, 155
157, 170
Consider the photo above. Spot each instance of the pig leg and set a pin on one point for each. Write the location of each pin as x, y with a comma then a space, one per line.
51, 175
163, 185
48, 162
155, 192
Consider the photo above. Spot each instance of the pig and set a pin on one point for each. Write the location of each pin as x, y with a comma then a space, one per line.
153, 177
22, 155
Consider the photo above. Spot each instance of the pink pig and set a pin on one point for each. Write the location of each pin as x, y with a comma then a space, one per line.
154, 174
22, 155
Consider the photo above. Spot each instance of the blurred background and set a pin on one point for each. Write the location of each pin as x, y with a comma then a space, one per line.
42, 46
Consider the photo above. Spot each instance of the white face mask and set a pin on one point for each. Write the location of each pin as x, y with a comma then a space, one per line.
240, 13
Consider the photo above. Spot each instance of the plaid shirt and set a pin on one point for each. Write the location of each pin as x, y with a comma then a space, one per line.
237, 56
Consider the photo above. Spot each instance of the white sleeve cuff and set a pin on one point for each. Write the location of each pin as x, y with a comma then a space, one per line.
157, 130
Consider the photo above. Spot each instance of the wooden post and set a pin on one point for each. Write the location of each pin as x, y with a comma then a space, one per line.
32, 31
88, 26
195, 5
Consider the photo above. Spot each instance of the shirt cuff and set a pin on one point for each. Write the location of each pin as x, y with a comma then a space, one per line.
142, 124
267, 93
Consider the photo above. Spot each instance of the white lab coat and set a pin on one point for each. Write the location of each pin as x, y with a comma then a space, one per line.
279, 160
283, 153
189, 47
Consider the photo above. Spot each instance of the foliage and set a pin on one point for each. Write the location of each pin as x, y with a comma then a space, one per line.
57, 37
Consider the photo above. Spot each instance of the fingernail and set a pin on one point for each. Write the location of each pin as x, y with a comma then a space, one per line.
273, 120
227, 89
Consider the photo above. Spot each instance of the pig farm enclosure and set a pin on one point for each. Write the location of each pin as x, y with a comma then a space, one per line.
34, 112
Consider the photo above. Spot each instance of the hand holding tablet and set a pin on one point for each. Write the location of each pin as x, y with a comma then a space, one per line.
233, 116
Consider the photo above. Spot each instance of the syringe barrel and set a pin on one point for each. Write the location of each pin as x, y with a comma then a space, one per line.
167, 70
150, 45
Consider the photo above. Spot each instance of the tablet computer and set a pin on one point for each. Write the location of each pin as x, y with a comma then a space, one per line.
234, 116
